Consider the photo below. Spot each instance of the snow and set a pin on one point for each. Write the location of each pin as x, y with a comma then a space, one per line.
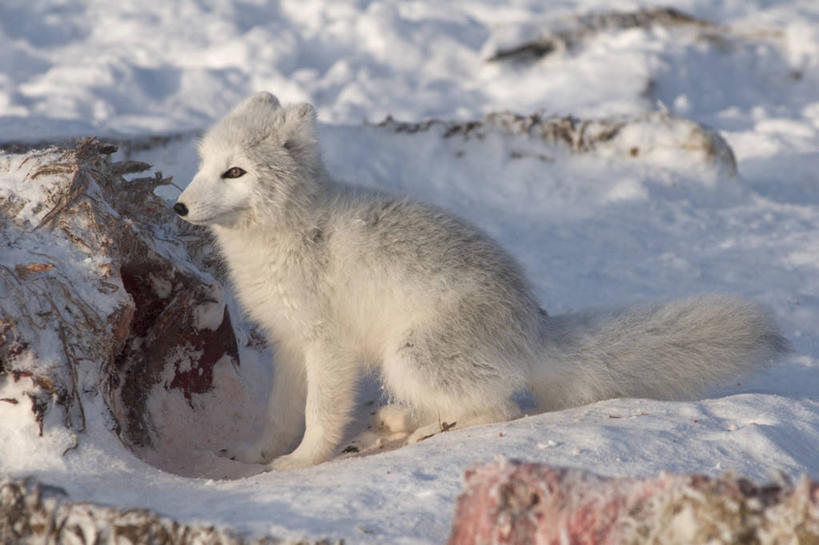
599, 228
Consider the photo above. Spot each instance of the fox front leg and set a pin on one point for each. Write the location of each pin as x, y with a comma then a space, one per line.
330, 398
285, 413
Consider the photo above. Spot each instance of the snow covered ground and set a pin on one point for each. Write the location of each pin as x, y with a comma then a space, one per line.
597, 228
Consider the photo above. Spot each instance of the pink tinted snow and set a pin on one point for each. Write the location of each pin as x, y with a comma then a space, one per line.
517, 503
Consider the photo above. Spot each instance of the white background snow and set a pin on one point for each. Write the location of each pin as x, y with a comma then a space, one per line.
590, 230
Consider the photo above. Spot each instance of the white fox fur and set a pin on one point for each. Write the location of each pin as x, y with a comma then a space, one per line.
344, 280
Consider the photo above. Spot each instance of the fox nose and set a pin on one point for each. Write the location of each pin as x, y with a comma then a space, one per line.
180, 209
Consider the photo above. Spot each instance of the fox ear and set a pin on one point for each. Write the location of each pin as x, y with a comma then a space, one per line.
300, 116
304, 111
299, 126
262, 99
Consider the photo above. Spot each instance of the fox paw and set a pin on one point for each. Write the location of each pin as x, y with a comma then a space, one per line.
393, 419
247, 452
291, 461
425, 432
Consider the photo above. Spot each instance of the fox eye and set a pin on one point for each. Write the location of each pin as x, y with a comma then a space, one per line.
233, 172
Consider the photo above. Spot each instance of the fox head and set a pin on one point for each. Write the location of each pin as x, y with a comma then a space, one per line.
260, 164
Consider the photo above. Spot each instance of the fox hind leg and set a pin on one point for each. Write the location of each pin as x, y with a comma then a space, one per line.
444, 386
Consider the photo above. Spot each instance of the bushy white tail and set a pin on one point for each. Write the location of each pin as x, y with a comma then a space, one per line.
674, 350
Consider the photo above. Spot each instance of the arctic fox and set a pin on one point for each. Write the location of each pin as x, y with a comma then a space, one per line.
345, 280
